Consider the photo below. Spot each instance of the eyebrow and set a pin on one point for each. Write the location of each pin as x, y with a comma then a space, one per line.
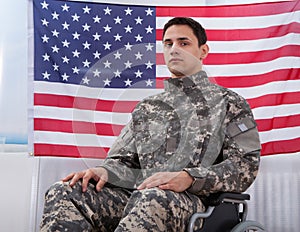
179, 39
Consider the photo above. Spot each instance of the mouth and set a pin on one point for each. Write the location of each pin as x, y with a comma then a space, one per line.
175, 60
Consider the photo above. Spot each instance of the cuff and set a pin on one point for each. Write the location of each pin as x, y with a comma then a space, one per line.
197, 184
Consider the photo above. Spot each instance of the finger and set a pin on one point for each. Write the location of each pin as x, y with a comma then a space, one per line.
166, 186
145, 183
76, 178
100, 184
155, 183
68, 177
151, 183
141, 186
85, 179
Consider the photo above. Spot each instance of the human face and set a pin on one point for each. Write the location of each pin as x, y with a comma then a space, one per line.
182, 54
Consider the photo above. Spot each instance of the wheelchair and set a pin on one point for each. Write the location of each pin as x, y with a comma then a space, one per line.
226, 212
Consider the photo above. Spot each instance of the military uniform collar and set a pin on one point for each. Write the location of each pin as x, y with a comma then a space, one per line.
198, 79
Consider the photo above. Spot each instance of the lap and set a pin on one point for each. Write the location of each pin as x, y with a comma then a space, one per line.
105, 209
69, 207
163, 210
108, 195
168, 198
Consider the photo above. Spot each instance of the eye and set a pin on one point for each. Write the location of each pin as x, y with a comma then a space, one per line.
168, 44
183, 43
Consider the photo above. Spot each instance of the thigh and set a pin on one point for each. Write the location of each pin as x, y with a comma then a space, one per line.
98, 210
162, 210
104, 208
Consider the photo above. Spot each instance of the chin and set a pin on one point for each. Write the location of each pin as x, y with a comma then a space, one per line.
176, 71
177, 75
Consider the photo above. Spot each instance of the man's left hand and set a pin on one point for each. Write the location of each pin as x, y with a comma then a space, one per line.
175, 181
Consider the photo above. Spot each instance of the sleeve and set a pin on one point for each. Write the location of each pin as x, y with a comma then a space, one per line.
240, 159
122, 161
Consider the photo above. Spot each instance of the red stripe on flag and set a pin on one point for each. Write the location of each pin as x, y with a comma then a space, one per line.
278, 122
244, 57
160, 82
248, 81
84, 103
229, 11
44, 124
252, 34
255, 80
246, 34
70, 151
281, 147
274, 99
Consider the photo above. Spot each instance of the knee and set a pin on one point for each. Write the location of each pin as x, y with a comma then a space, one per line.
157, 193
153, 197
57, 187
60, 188
152, 193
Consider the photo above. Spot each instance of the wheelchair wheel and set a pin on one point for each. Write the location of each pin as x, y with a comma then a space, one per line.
248, 226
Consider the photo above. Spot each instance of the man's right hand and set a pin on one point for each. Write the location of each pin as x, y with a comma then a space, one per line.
99, 174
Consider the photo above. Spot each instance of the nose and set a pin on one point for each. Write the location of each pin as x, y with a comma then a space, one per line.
174, 49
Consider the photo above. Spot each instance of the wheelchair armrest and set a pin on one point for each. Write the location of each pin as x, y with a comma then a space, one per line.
218, 198
215, 208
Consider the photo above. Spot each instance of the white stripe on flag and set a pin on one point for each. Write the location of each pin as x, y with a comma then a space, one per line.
268, 112
85, 140
230, 23
247, 45
242, 69
279, 134
269, 88
71, 114
129, 94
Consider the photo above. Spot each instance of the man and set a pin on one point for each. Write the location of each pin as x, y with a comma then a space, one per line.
194, 139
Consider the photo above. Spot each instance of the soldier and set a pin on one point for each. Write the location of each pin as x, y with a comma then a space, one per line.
193, 139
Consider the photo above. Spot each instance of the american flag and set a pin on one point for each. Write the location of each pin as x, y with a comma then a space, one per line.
94, 61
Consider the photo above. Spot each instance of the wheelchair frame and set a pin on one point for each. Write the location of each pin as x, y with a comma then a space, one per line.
232, 198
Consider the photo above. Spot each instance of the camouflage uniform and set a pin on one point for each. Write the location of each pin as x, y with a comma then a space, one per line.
194, 125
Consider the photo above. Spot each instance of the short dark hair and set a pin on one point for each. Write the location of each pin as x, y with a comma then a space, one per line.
198, 30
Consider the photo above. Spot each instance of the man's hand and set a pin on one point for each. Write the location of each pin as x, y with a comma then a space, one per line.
99, 174
175, 181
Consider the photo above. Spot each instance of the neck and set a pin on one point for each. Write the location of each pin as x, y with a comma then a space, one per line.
181, 75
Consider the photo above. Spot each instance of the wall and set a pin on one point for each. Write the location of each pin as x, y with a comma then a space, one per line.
24, 179
15, 196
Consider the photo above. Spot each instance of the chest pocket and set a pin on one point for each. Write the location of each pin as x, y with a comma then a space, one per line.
150, 136
124, 141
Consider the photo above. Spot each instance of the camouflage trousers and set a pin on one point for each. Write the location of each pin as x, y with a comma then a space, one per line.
116, 209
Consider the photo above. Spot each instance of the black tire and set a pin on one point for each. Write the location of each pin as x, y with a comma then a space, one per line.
248, 226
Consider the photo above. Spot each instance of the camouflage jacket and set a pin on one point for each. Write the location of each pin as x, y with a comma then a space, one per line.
194, 125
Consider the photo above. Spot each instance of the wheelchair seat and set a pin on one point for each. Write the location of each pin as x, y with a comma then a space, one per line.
226, 212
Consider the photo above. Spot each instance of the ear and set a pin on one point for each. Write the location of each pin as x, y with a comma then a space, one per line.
204, 51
